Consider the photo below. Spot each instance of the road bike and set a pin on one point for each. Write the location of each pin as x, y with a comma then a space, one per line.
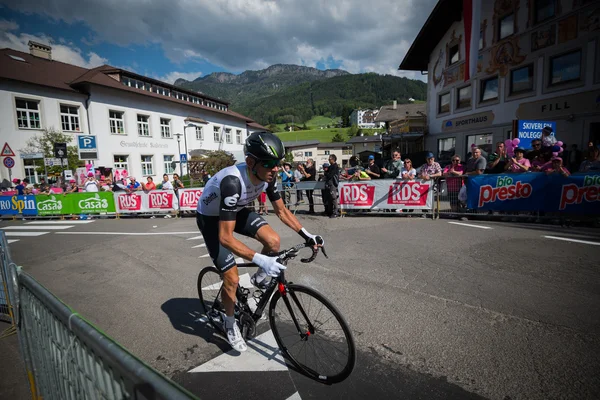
310, 331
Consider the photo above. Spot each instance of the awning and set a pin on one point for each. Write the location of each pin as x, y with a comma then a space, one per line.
196, 120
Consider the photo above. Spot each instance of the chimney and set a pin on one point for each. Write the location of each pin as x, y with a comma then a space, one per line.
40, 50
395, 105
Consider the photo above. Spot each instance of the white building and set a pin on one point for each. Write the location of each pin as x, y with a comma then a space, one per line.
136, 120
538, 60
364, 118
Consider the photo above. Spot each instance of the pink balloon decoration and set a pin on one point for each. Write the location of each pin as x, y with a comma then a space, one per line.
561, 150
559, 143
508, 142
555, 154
516, 141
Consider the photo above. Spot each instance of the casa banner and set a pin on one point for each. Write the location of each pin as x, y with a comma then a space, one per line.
575, 194
74, 203
143, 202
386, 194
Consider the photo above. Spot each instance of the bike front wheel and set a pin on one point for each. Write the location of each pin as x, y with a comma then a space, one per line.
312, 334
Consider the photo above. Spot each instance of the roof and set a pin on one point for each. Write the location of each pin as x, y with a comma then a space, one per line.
388, 114
333, 145
444, 14
301, 143
364, 139
59, 75
256, 125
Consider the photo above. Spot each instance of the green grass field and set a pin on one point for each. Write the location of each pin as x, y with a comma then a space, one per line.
316, 122
322, 135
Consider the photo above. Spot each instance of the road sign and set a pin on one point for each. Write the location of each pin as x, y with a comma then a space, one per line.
9, 162
87, 147
60, 150
183, 158
7, 151
51, 162
31, 156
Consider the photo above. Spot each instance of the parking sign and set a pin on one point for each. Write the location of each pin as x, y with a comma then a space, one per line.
88, 149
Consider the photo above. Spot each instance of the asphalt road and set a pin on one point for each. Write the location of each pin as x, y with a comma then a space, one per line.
439, 310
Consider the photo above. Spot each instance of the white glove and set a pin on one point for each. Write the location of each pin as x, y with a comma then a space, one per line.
269, 264
310, 238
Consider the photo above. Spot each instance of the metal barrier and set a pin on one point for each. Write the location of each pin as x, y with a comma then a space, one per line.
66, 357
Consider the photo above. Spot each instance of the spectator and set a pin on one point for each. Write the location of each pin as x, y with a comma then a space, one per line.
496, 162
28, 187
557, 167
536, 146
44, 187
106, 185
91, 184
332, 180
476, 164
372, 168
262, 204
548, 140
453, 183
205, 177
297, 178
573, 157
431, 169
19, 187
518, 163
592, 161
177, 183
408, 173
392, 169
150, 185
309, 175
165, 184
360, 175
72, 188
134, 185
287, 177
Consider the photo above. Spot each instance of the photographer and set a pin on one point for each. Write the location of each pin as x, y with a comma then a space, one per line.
308, 174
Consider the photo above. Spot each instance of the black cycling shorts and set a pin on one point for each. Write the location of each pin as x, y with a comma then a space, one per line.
247, 223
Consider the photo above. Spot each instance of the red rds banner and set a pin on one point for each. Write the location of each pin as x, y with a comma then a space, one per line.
188, 198
386, 194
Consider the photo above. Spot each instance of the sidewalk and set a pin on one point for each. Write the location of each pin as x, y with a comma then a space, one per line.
13, 379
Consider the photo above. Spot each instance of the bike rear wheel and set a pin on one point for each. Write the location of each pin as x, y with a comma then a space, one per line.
210, 283
312, 334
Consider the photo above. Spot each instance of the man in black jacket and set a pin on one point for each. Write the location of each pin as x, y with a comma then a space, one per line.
309, 173
332, 180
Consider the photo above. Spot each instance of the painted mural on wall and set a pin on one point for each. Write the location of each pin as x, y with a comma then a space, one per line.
567, 29
505, 55
438, 69
590, 21
543, 38
454, 74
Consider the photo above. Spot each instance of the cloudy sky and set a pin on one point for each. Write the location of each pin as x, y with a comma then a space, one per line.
170, 39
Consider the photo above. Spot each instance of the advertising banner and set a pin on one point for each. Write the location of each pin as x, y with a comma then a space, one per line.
54, 204
188, 199
141, 202
386, 194
530, 130
575, 194
14, 205
75, 203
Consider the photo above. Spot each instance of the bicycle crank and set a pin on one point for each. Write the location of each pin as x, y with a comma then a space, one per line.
247, 325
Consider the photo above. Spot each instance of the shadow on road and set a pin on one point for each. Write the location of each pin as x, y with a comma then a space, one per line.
186, 316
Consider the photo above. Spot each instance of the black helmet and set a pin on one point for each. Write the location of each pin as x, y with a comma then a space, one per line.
264, 146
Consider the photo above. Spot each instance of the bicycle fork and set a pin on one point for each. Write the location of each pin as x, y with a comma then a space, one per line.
311, 328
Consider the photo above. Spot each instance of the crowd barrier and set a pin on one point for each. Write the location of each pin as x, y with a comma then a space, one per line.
65, 356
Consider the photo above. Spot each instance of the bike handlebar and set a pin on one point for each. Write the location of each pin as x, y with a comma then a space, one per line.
293, 252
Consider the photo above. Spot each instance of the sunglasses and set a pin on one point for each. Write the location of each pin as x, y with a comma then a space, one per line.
536, 145
455, 160
270, 163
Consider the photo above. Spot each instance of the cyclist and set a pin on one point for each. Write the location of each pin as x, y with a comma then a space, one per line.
222, 211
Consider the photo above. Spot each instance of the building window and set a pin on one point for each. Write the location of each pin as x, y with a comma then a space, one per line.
238, 136
444, 103
147, 165
446, 149
521, 80
168, 164
28, 114
481, 33
347, 152
228, 137
165, 128
454, 54
489, 89
506, 26
143, 125
116, 122
69, 118
121, 162
30, 168
565, 68
327, 152
217, 134
544, 9
463, 98
308, 154
484, 142
199, 135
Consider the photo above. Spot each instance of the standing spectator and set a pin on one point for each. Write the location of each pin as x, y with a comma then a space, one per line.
452, 173
205, 177
573, 157
166, 185
72, 188
309, 173
392, 169
373, 169
408, 173
592, 161
496, 162
106, 185
360, 175
134, 185
297, 178
150, 185
431, 169
548, 140
44, 187
91, 184
262, 204
332, 180
20, 187
177, 183
518, 163
476, 164
557, 167
287, 177
536, 150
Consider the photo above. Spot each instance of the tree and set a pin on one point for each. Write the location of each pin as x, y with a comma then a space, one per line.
338, 137
346, 116
353, 131
217, 160
44, 143
289, 157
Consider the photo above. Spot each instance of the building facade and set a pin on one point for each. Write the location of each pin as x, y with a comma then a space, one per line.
538, 60
141, 125
364, 118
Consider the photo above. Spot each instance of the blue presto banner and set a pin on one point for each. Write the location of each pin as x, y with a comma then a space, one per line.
13, 205
576, 194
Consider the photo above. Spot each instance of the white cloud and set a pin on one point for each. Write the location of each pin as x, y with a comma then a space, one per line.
249, 34
171, 77
61, 50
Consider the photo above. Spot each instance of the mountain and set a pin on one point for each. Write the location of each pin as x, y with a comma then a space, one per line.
275, 94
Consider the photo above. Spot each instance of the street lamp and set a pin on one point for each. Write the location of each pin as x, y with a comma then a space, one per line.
188, 125
179, 148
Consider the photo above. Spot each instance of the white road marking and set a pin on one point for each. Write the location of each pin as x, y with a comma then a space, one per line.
572, 240
262, 355
12, 240
126, 233
25, 233
471, 225
200, 245
38, 228
196, 237
58, 222
204, 256
295, 396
